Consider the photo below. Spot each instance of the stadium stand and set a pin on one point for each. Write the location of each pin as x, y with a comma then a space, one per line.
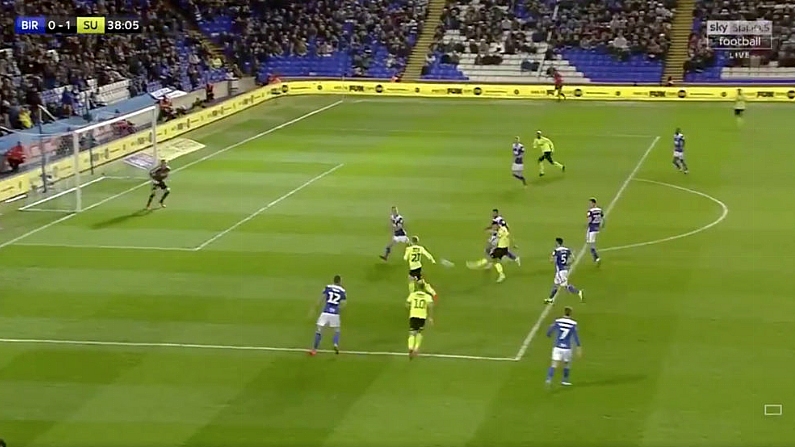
597, 41
767, 66
335, 38
74, 74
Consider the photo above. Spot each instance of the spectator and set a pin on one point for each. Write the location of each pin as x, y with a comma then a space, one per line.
25, 121
620, 46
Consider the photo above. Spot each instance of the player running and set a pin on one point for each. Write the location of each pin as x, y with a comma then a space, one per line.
562, 257
420, 306
413, 255
499, 251
398, 232
517, 168
497, 219
564, 330
679, 151
739, 105
547, 148
558, 83
596, 221
159, 174
415, 286
332, 300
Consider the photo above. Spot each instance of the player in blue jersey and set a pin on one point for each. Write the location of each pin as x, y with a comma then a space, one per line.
517, 168
399, 235
596, 221
679, 151
496, 219
332, 300
567, 338
562, 257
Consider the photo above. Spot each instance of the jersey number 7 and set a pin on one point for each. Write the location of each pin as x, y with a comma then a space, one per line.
564, 332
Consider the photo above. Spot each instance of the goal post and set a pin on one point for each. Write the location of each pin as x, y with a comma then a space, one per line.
89, 163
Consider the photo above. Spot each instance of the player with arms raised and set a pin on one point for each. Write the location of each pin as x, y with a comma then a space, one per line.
398, 232
567, 337
547, 148
497, 219
159, 174
332, 300
420, 306
413, 256
679, 151
517, 168
562, 257
596, 221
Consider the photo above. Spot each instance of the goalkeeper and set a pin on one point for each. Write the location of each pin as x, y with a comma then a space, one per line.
159, 175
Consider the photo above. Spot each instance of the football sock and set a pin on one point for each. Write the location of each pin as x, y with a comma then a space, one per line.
684, 166
520, 177
165, 194
572, 289
419, 341
151, 197
553, 292
412, 339
498, 268
550, 373
387, 251
594, 253
511, 256
541, 168
318, 336
559, 165
412, 287
566, 374
337, 338
676, 163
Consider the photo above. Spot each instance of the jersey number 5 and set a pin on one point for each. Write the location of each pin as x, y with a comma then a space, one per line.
333, 297
415, 257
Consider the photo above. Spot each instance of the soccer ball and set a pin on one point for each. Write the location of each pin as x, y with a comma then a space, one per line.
447, 263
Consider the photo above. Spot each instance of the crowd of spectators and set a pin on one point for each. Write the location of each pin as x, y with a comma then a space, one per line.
30, 65
781, 14
262, 29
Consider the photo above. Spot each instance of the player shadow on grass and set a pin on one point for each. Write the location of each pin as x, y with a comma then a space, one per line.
118, 220
625, 379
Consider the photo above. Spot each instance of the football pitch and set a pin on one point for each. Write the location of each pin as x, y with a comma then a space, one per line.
188, 326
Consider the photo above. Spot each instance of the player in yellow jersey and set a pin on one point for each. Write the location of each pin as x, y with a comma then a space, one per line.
413, 255
415, 286
420, 306
739, 105
547, 148
499, 251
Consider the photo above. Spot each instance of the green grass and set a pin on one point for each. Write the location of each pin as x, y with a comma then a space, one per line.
684, 340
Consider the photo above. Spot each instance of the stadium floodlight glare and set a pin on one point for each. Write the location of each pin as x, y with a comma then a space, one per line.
75, 166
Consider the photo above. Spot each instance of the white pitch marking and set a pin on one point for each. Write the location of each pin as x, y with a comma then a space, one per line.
62, 193
267, 207
548, 308
131, 344
720, 219
206, 157
107, 247
461, 133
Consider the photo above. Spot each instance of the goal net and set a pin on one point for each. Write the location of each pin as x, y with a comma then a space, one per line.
91, 164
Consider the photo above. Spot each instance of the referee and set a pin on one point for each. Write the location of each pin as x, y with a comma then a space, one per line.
547, 148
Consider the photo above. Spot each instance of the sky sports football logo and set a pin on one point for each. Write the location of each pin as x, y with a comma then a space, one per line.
741, 36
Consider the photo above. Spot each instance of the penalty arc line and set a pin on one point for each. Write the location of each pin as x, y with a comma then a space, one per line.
267, 207
724, 213
548, 308
216, 347
195, 162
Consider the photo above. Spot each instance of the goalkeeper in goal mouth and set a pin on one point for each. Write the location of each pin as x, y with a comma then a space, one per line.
159, 175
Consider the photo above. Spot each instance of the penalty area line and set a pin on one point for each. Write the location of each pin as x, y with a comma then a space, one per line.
217, 347
548, 308
186, 166
104, 247
724, 213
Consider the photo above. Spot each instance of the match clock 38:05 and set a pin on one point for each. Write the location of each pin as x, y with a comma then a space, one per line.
117, 25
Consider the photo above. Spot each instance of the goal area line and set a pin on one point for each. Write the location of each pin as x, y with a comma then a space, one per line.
222, 347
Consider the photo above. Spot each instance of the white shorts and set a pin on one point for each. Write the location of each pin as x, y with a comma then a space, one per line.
562, 278
561, 355
330, 320
517, 168
400, 239
590, 237
679, 155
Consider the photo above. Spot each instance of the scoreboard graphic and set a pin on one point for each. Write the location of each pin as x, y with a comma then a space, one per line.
78, 25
